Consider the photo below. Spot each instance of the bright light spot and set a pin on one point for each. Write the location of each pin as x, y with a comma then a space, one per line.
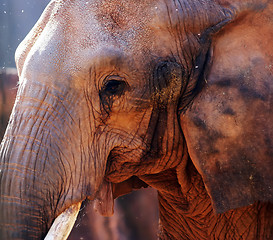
22, 11
5, 12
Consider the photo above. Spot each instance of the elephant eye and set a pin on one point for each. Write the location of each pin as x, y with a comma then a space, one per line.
114, 87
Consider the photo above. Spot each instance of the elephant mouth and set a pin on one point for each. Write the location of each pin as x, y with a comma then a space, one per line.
104, 201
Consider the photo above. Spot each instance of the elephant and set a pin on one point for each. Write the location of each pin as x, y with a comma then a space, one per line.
115, 96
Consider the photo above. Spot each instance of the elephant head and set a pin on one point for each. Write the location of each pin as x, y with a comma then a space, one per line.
117, 95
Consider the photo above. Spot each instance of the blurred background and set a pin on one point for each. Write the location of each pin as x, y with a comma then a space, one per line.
17, 17
136, 214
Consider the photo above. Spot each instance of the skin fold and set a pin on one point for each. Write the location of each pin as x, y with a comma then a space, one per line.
118, 95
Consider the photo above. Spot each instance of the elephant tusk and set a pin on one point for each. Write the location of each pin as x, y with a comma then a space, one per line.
64, 223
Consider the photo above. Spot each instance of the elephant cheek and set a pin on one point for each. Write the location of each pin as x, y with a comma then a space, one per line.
229, 132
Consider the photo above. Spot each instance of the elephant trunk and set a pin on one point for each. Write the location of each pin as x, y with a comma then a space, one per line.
26, 219
30, 196
22, 216
41, 172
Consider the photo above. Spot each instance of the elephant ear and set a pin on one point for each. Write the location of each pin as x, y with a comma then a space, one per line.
229, 126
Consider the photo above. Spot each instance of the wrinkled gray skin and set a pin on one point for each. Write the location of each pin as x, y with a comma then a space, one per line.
115, 95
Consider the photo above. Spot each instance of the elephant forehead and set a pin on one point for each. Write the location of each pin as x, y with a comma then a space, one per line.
99, 21
77, 31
